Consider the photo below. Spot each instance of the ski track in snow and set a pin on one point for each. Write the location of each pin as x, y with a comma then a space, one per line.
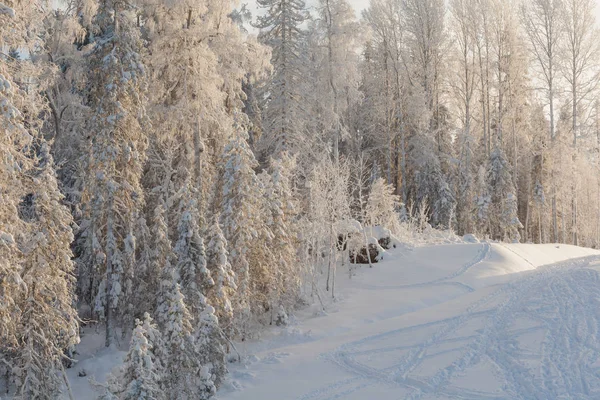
562, 301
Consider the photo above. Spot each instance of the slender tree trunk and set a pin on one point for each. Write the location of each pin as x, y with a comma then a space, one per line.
562, 220
327, 285
110, 328
336, 132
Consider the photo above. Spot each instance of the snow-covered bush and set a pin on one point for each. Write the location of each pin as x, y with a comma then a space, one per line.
382, 207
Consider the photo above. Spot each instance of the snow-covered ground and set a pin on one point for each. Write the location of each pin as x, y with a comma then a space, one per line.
460, 321
456, 321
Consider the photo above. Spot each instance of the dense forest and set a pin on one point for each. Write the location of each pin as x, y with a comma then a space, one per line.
179, 173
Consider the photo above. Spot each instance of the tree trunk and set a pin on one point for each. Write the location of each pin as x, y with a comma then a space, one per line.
110, 328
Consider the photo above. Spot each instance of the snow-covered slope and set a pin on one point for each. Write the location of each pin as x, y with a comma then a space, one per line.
466, 321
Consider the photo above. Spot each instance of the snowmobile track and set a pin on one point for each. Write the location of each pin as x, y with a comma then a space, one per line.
551, 295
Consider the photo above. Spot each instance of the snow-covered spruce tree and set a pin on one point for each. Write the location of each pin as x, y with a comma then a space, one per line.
48, 322
13, 137
240, 216
211, 347
20, 28
185, 376
222, 292
117, 144
195, 280
481, 203
156, 343
283, 210
194, 277
138, 377
264, 271
145, 279
280, 28
37, 318
505, 222
430, 182
126, 317
160, 251
382, 206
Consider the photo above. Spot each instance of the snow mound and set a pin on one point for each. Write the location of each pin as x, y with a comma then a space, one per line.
470, 238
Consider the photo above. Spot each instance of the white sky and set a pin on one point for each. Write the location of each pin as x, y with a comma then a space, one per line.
359, 5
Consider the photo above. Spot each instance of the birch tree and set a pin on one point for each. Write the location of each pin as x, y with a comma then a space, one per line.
543, 23
581, 73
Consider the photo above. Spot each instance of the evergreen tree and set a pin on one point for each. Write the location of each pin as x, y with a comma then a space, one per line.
505, 221
430, 182
147, 286
37, 318
116, 155
281, 30
265, 272
224, 289
13, 138
211, 347
48, 321
481, 202
185, 375
283, 212
194, 276
158, 351
240, 215
139, 377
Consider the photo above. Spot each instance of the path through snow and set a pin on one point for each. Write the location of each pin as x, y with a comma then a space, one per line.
470, 321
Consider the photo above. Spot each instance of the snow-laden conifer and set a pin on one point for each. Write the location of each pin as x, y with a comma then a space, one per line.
281, 29
221, 293
138, 377
194, 276
240, 214
116, 154
48, 321
185, 375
